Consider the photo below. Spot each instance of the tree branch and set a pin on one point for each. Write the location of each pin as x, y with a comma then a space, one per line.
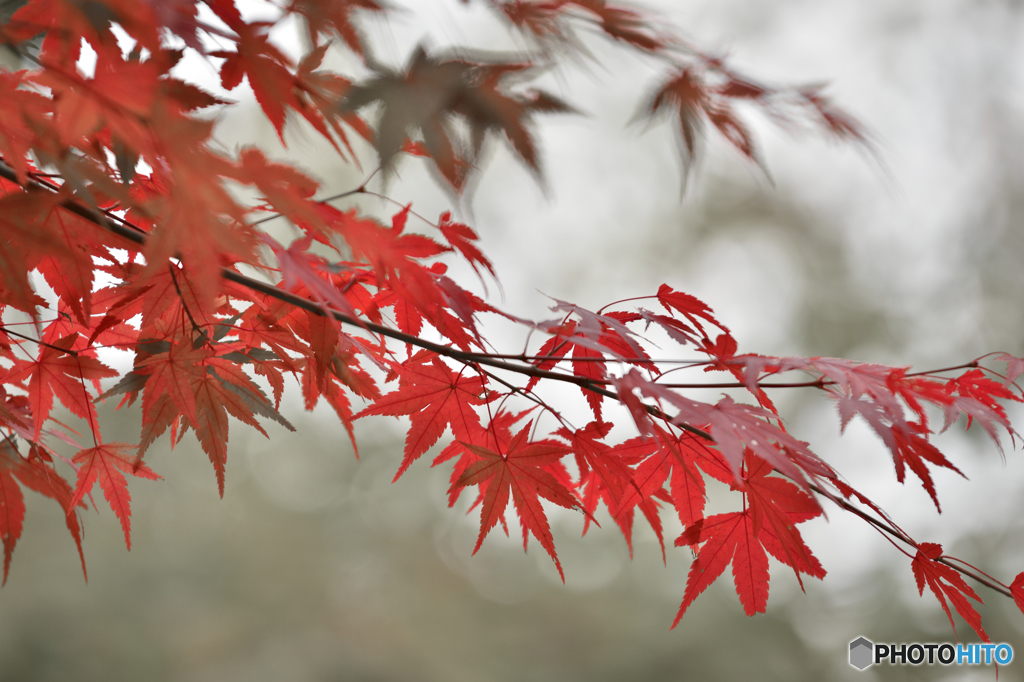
518, 364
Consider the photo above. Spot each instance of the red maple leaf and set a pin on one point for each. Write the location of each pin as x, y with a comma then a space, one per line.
1017, 590
777, 506
690, 307
324, 16
35, 474
461, 237
977, 396
61, 372
223, 389
605, 474
434, 397
317, 95
944, 582
728, 538
519, 470
589, 340
266, 68
105, 463
172, 374
12, 513
773, 507
675, 456
594, 455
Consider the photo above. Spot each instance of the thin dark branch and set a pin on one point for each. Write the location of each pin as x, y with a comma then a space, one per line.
902, 537
73, 353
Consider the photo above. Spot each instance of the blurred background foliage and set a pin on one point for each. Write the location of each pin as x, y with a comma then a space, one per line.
316, 567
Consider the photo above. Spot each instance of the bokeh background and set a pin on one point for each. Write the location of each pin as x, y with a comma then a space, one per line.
316, 567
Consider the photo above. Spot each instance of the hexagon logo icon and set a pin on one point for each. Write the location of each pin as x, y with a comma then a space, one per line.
861, 653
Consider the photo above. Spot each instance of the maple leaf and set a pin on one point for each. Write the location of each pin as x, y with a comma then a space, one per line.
107, 463
625, 24
34, 474
687, 93
61, 372
1017, 590
545, 20
185, 381
518, 471
215, 399
435, 398
674, 458
432, 90
324, 16
773, 508
782, 505
728, 538
18, 108
301, 269
1014, 367
461, 237
605, 474
173, 373
266, 68
317, 95
196, 220
944, 582
690, 307
12, 514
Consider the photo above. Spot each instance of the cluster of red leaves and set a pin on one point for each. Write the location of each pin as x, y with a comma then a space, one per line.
140, 242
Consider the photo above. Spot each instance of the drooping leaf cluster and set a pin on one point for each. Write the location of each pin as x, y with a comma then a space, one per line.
123, 228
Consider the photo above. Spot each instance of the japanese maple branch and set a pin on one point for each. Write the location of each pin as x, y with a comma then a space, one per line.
124, 229
139, 237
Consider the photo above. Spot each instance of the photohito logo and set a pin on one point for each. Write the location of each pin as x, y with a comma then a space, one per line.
864, 652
